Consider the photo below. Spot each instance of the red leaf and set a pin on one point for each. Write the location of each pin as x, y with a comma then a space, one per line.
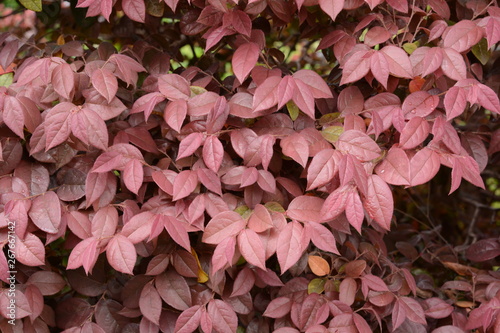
63, 81
402, 6
89, 127
266, 95
218, 115
188, 320
286, 90
243, 282
135, 9
121, 254
332, 7
244, 59
174, 86
358, 144
290, 245
184, 184
462, 36
483, 250
49, 283
395, 168
213, 153
105, 82
379, 203
84, 254
174, 290
350, 101
413, 310
13, 115
175, 113
150, 303
437, 308
305, 208
251, 248
45, 212
223, 316
278, 307
57, 124
223, 225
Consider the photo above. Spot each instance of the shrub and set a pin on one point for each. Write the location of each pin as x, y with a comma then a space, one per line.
237, 166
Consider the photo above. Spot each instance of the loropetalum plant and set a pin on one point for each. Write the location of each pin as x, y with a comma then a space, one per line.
229, 166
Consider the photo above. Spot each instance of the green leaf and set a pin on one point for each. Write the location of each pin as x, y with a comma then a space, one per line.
480, 50
316, 286
6, 79
293, 110
332, 133
410, 47
35, 5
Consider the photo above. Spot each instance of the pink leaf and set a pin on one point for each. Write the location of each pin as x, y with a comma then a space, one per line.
278, 307
286, 90
398, 314
260, 220
335, 203
455, 102
426, 60
379, 67
356, 67
243, 282
90, 128
379, 203
316, 84
189, 144
488, 98
453, 65
184, 184
424, 165
177, 231
133, 175
105, 82
419, 104
290, 245
376, 35
223, 253
402, 6
13, 115
121, 254
57, 124
354, 210
30, 250
188, 320
322, 168
45, 212
350, 101
138, 228
223, 225
218, 115
395, 167
321, 237
174, 86
437, 308
414, 133
223, 316
84, 254
135, 9
213, 152
175, 113
347, 290
332, 7
63, 80
399, 63
244, 59
304, 99
266, 95
295, 147
305, 208
358, 144
462, 36
150, 303
251, 248
104, 224
413, 310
